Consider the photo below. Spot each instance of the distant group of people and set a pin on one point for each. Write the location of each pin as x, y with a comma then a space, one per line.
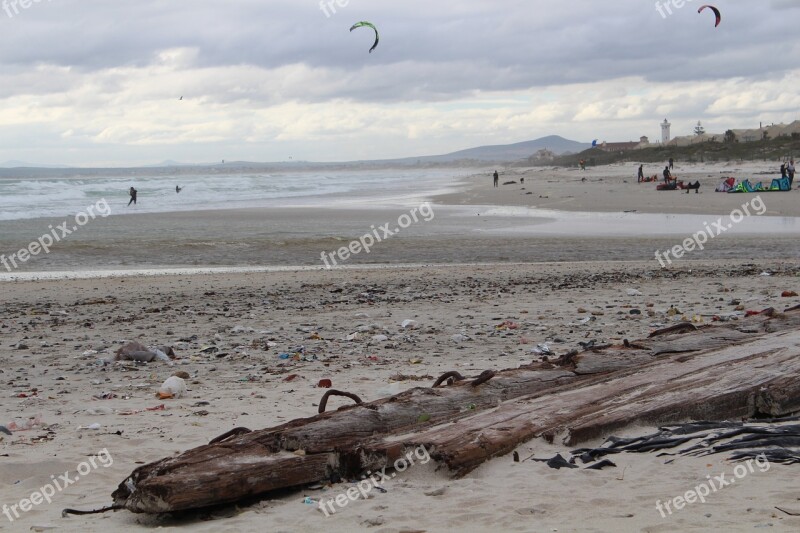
134, 193
668, 177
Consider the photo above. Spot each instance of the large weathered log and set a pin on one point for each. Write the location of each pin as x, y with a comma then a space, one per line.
757, 378
465, 425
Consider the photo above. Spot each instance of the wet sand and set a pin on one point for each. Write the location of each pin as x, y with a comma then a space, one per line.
563, 219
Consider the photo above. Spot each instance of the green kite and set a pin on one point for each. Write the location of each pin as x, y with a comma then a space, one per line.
369, 25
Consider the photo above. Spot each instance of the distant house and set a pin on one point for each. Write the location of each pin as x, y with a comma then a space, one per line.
543, 155
644, 142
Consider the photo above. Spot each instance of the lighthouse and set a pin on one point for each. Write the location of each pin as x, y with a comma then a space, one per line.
665, 136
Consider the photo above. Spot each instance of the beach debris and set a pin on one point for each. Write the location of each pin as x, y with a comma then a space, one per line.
775, 440
91, 427
788, 294
5, 430
542, 349
173, 387
505, 325
451, 377
323, 403
25, 424
409, 324
325, 384
365, 24
517, 406
182, 374
634, 292
134, 351
104, 396
558, 462
39, 528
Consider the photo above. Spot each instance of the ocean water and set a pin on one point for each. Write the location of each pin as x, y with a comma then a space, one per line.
65, 196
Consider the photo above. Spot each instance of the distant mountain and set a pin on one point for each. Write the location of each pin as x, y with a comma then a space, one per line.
503, 153
514, 152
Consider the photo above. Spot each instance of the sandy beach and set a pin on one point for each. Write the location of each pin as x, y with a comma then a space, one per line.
553, 216
54, 333
465, 273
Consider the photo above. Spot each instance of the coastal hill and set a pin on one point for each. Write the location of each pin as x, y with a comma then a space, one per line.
780, 148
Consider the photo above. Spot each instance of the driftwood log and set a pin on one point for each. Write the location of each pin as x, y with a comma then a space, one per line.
740, 369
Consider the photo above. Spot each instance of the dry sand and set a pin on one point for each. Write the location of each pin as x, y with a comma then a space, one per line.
49, 335
613, 188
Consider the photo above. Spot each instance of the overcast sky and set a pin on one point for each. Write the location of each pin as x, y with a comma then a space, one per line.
98, 82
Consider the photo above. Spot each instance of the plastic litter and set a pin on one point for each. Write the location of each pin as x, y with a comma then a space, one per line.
542, 349
173, 387
24, 424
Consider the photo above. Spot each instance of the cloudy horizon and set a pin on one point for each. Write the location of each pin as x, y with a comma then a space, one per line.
98, 83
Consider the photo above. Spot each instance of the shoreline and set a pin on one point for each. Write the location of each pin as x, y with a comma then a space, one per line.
565, 219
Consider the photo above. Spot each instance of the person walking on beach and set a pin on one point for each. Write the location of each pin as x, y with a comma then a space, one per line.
583, 164
178, 189
641, 173
496, 179
133, 193
671, 163
783, 170
790, 171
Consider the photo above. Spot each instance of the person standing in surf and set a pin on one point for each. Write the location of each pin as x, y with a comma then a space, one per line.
496, 179
133, 192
